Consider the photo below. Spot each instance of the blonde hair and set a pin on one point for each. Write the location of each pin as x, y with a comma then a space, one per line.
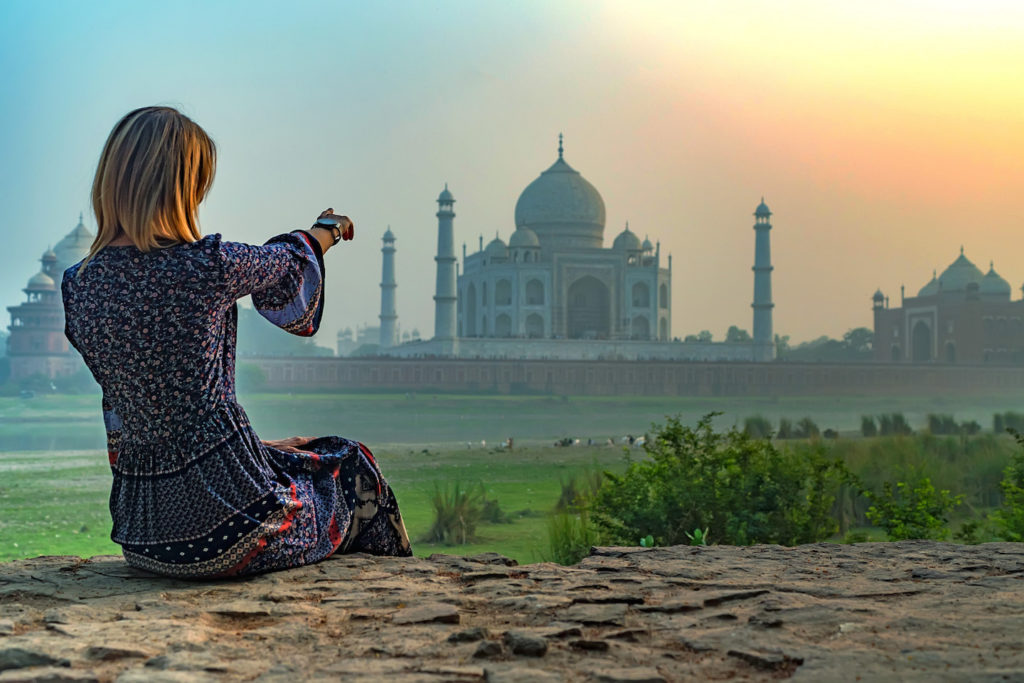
155, 169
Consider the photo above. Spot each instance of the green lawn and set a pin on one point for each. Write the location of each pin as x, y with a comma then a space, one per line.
54, 479
55, 503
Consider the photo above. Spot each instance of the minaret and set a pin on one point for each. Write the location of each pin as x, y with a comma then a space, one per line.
764, 345
387, 292
444, 298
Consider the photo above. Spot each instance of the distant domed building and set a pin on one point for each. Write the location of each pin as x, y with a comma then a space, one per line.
555, 291
36, 345
556, 279
962, 316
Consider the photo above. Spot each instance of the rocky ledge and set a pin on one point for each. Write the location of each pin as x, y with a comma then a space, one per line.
912, 610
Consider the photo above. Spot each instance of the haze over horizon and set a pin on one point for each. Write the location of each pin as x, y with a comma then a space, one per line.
883, 135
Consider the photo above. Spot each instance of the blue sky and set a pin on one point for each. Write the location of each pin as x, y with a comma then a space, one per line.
681, 115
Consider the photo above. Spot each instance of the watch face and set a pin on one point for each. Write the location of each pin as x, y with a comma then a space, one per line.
327, 222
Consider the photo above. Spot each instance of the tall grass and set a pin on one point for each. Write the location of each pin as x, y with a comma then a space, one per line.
457, 512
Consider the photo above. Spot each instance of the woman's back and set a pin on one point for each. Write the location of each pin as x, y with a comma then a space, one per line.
156, 332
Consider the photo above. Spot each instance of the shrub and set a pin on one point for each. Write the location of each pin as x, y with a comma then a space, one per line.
868, 427
786, 430
457, 511
742, 490
1008, 520
757, 427
580, 488
570, 537
912, 511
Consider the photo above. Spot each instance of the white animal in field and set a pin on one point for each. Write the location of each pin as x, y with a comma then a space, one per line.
640, 441
483, 443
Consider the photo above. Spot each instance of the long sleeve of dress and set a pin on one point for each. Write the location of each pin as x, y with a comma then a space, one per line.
285, 277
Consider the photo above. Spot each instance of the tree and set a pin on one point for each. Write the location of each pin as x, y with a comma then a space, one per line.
859, 341
781, 345
735, 334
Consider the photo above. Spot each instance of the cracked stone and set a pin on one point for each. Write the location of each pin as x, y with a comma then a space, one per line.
526, 644
432, 612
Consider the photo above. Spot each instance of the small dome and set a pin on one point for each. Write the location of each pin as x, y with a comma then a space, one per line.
49, 256
647, 246
992, 283
41, 281
878, 295
445, 195
496, 248
626, 241
930, 289
762, 209
523, 237
959, 274
389, 236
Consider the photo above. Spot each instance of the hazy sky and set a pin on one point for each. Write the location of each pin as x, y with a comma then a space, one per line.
882, 134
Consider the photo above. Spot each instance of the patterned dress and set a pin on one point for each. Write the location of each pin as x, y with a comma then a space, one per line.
195, 492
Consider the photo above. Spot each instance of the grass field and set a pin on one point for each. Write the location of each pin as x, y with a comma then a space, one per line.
54, 479
55, 502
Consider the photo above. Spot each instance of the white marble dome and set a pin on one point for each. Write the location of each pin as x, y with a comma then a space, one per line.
626, 241
523, 237
74, 246
562, 208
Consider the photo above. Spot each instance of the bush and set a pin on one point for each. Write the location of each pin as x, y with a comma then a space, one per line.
786, 430
457, 511
578, 490
1008, 520
570, 537
911, 512
742, 490
868, 427
757, 427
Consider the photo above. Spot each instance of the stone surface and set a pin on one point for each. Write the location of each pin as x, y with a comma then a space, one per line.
882, 611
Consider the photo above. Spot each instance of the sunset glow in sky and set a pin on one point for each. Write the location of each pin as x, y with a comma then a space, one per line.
882, 134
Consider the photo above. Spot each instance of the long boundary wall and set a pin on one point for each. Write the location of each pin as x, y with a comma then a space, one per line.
661, 378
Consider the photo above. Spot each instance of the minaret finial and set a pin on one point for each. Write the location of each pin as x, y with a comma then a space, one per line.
80, 214
627, 225
961, 250
559, 145
446, 186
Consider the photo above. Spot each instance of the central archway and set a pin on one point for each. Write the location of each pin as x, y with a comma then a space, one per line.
589, 313
921, 342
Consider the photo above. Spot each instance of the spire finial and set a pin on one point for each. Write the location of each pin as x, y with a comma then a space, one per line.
560, 146
446, 186
79, 216
961, 250
627, 226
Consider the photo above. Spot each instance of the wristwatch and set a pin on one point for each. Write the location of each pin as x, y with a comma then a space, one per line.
328, 224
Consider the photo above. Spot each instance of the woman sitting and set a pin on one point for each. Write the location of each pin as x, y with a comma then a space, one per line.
152, 310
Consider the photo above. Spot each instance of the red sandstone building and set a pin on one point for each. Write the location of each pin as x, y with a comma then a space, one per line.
963, 316
36, 345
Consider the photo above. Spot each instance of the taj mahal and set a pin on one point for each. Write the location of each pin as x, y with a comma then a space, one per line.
555, 291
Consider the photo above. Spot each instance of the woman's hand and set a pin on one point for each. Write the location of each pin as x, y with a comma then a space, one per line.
325, 235
293, 444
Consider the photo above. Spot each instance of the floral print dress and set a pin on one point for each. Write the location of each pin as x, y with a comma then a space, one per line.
195, 492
